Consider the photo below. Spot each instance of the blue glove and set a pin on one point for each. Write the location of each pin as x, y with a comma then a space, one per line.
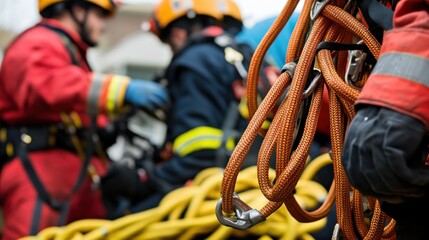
146, 94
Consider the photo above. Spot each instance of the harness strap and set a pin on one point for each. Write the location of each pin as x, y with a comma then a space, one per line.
377, 16
68, 42
43, 194
229, 130
376, 13
34, 229
61, 206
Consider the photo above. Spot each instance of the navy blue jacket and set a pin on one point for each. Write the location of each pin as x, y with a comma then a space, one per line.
200, 87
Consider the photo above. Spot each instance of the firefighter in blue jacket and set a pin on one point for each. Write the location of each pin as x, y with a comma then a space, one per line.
200, 84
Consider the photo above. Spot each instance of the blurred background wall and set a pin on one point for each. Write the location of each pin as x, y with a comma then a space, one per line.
125, 49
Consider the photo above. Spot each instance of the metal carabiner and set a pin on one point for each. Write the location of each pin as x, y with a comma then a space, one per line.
235, 58
303, 108
317, 8
289, 68
354, 66
336, 233
244, 217
314, 83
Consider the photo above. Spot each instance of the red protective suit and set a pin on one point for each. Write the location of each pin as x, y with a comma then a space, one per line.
38, 81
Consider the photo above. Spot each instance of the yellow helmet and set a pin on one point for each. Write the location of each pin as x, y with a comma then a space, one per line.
168, 11
107, 5
229, 8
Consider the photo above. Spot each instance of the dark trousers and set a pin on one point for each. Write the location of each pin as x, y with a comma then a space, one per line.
411, 216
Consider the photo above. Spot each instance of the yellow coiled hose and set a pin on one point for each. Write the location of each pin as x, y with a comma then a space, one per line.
189, 212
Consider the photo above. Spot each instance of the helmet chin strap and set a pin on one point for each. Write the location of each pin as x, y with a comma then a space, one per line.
83, 30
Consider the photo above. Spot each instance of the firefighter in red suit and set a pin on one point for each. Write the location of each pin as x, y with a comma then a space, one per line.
386, 149
48, 99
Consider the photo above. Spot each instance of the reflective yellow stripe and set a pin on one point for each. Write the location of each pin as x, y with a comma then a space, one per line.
244, 111
121, 92
9, 149
230, 144
266, 124
3, 134
197, 139
111, 93
115, 91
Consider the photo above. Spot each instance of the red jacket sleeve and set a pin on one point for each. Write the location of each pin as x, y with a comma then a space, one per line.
38, 80
400, 79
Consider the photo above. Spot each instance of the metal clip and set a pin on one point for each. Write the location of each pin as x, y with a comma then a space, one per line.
224, 40
25, 138
302, 109
244, 218
314, 83
355, 66
317, 8
289, 68
235, 58
336, 235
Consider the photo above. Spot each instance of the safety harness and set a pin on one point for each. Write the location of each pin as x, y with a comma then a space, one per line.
18, 141
324, 30
238, 55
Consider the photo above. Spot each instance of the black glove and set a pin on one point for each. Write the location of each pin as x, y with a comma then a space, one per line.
124, 181
384, 153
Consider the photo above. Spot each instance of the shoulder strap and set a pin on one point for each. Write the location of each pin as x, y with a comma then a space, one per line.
378, 17
68, 42
61, 206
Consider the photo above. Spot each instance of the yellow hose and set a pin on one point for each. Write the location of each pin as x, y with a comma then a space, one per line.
188, 212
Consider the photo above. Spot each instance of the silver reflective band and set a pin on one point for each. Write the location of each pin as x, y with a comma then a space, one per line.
403, 65
94, 93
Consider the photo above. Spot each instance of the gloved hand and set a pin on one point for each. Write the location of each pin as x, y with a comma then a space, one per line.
384, 153
146, 94
122, 180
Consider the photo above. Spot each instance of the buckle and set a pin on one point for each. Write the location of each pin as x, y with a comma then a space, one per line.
244, 217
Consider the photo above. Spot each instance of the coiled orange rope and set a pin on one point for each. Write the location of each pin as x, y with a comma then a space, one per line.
332, 22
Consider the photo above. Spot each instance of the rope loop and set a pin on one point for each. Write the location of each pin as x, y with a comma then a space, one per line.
331, 36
